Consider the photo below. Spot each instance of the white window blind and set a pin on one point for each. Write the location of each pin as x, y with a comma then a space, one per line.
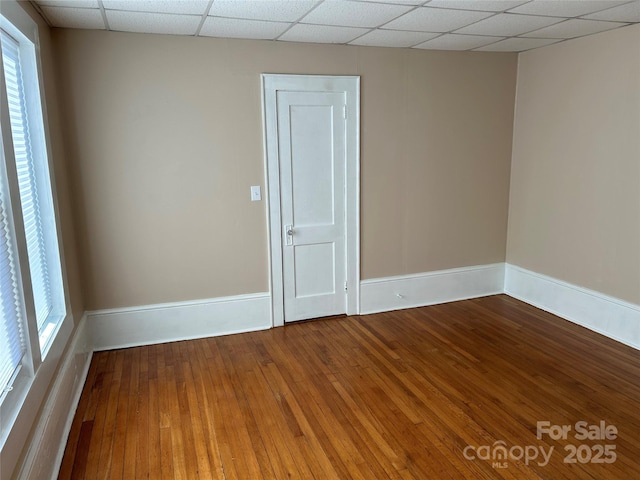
12, 342
27, 180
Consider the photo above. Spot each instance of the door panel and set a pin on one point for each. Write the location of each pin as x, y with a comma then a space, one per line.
312, 149
311, 139
314, 269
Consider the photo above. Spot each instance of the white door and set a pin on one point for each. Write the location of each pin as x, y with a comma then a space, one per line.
311, 139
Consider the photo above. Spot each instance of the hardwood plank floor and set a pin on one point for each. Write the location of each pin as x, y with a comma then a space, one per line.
414, 394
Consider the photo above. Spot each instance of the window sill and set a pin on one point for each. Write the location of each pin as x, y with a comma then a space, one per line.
19, 411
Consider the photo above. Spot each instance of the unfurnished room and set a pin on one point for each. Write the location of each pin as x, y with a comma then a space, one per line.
320, 239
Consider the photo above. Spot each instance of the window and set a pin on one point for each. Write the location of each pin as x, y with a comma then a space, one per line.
12, 344
35, 323
32, 302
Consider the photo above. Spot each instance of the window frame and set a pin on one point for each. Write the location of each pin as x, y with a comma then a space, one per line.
44, 180
20, 407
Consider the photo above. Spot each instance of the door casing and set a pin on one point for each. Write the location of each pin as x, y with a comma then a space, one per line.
350, 86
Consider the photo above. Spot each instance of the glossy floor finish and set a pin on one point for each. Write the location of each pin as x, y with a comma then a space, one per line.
418, 393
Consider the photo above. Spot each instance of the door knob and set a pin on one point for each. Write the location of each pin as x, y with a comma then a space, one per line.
288, 229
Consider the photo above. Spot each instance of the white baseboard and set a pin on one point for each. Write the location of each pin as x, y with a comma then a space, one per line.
409, 291
44, 456
596, 311
169, 322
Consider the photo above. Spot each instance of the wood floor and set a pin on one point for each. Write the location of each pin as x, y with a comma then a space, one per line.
416, 394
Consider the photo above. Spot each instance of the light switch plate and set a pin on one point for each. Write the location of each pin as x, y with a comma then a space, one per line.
256, 196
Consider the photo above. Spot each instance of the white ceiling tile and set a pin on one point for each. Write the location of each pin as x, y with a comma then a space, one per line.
322, 34
393, 38
274, 10
193, 7
395, 2
629, 12
573, 28
354, 14
565, 8
467, 24
89, 18
69, 3
234, 28
483, 5
517, 44
451, 41
507, 24
426, 19
153, 22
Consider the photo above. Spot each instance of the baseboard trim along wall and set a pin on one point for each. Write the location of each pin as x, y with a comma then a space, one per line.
44, 457
169, 322
419, 290
596, 311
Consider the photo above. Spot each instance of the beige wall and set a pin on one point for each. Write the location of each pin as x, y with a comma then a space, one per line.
575, 185
165, 137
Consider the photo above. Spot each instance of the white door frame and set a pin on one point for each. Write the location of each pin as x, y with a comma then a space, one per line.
350, 85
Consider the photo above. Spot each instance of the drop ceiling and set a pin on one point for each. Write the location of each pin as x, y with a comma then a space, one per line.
484, 25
